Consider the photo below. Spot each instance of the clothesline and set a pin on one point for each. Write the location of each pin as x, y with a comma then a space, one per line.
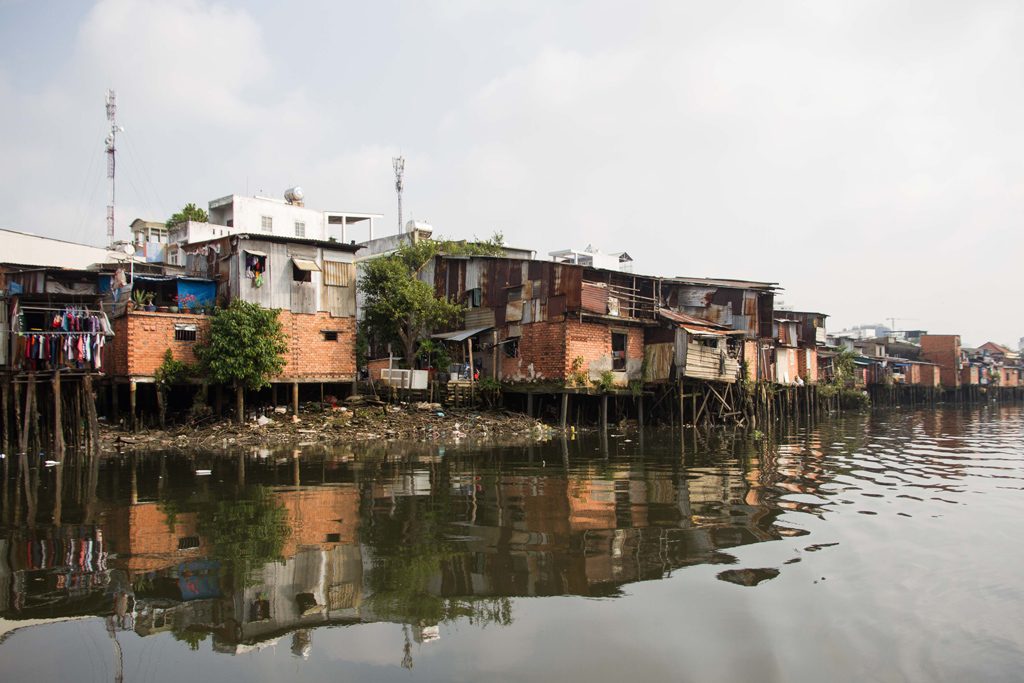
22, 333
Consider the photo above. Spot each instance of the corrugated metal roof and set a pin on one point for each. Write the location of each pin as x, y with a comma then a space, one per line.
684, 319
721, 282
460, 335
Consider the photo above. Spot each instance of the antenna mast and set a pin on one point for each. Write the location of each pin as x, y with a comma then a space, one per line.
111, 143
399, 164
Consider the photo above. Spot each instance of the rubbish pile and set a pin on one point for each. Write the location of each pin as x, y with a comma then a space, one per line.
357, 420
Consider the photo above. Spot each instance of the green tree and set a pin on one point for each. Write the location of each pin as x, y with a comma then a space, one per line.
400, 307
170, 372
245, 533
245, 348
190, 212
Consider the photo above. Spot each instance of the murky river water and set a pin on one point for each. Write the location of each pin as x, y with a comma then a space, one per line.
877, 547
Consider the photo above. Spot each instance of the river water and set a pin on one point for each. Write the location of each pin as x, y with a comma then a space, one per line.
879, 547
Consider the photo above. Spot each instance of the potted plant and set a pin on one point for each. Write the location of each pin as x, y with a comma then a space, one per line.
143, 299
188, 303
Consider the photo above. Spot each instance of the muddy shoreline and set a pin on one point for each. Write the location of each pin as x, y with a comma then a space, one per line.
425, 422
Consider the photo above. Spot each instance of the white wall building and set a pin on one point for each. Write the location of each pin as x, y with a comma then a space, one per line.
286, 217
595, 258
24, 248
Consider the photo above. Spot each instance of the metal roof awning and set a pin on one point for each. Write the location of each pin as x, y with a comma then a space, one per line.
684, 319
702, 331
460, 335
696, 331
304, 264
254, 252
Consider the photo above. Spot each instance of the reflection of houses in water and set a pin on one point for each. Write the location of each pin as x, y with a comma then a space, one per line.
523, 532
316, 586
53, 571
589, 532
318, 582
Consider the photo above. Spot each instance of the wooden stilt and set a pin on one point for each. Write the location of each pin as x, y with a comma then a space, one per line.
132, 399
565, 408
604, 412
161, 405
295, 398
58, 449
239, 403
682, 405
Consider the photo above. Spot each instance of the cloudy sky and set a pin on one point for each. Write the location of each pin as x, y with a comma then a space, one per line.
868, 155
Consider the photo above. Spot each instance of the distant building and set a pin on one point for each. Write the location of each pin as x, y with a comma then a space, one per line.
150, 239
288, 217
26, 249
594, 258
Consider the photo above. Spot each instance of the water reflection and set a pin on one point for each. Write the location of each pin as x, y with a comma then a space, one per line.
272, 545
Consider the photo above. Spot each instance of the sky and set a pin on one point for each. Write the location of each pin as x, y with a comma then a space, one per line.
868, 156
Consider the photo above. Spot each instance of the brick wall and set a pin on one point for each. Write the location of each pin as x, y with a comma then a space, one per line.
541, 354
944, 351
140, 339
547, 351
309, 355
929, 375
809, 364
750, 358
593, 342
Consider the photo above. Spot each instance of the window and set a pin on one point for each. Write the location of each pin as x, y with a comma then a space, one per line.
266, 223
300, 229
474, 297
512, 347
330, 335
185, 333
302, 269
333, 538
186, 542
618, 351
255, 266
337, 274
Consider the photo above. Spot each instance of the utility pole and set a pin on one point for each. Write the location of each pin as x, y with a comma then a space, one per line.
111, 143
399, 165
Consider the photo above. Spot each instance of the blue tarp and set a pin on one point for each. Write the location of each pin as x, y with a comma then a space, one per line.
204, 291
199, 579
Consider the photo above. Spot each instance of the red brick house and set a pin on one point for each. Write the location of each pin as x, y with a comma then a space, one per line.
545, 321
311, 282
944, 350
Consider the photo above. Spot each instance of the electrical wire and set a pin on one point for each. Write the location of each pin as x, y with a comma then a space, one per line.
83, 208
147, 178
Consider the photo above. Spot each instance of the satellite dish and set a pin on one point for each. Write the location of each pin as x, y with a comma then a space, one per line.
128, 249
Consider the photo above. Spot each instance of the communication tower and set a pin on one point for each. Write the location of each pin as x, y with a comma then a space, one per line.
111, 143
399, 164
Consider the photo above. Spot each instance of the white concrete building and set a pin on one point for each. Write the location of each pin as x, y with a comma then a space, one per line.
594, 258
286, 217
24, 248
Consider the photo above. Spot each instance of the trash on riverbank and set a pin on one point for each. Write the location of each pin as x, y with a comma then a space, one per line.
366, 422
